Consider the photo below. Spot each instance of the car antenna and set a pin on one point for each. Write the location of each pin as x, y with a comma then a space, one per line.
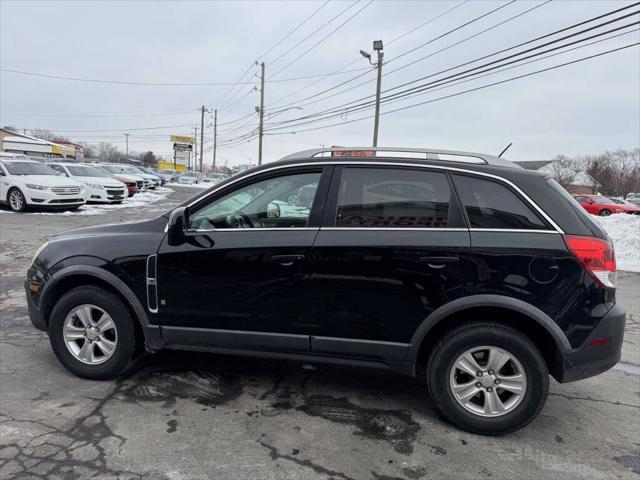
505, 149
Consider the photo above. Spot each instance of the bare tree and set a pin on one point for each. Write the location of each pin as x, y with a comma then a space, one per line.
563, 170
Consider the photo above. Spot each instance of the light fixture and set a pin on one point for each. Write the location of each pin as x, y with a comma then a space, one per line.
365, 54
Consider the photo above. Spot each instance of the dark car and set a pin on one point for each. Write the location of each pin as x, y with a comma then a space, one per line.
462, 269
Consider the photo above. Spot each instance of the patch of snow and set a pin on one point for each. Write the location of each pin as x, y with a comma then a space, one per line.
196, 186
624, 230
141, 199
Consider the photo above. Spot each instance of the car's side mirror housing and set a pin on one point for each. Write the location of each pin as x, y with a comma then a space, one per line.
177, 227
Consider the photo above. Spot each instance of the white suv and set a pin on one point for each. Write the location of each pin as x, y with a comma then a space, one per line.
100, 187
27, 183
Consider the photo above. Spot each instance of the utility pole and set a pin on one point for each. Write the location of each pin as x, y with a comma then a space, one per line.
195, 149
126, 136
201, 137
215, 137
261, 129
377, 46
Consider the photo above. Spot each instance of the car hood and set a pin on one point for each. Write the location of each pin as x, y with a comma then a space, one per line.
104, 181
49, 180
124, 177
154, 225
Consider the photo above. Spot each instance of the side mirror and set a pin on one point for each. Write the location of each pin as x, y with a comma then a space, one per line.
178, 222
273, 210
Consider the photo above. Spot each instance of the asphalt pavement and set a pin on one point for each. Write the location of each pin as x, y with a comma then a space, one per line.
185, 415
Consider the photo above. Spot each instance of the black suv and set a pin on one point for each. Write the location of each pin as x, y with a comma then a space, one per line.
459, 268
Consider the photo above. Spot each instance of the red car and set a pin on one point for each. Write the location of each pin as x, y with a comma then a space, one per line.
603, 206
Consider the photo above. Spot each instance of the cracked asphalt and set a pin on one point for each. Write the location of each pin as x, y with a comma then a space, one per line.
185, 415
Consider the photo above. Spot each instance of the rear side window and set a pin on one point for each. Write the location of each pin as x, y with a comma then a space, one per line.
393, 198
491, 205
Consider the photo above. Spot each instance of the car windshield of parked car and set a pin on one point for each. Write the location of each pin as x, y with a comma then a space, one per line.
111, 168
132, 170
601, 200
85, 171
281, 202
190, 174
28, 168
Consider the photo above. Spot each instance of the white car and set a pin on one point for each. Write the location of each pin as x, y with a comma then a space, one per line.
151, 181
118, 170
100, 187
189, 178
171, 174
27, 183
214, 178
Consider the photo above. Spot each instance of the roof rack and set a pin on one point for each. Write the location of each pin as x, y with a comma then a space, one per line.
402, 152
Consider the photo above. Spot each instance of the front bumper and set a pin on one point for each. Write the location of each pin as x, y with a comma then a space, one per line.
592, 359
108, 195
35, 315
47, 198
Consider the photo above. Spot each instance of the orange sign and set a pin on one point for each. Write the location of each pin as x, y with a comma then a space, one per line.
351, 153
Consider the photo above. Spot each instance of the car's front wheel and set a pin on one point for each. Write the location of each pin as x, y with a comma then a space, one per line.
92, 333
17, 201
488, 378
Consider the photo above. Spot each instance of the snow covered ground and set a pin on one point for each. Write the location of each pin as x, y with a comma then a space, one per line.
142, 199
624, 230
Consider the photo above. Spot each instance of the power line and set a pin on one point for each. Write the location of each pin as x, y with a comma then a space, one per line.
409, 64
477, 88
323, 39
295, 29
342, 107
439, 84
271, 62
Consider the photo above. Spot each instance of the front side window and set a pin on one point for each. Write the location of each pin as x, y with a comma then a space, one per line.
601, 200
393, 198
492, 205
278, 202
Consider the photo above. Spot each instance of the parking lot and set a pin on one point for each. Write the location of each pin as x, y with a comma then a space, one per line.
184, 415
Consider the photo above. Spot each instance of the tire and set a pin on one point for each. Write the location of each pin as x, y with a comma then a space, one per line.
503, 339
16, 200
125, 341
604, 212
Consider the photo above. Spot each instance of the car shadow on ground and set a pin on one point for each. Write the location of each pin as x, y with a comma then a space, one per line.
386, 408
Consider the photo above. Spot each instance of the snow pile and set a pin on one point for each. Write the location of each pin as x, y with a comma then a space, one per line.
141, 199
624, 230
197, 186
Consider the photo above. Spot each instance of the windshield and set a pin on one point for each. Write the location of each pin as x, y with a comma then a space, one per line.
28, 168
191, 174
132, 170
85, 171
111, 169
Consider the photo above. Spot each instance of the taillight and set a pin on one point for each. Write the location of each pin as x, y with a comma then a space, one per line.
596, 256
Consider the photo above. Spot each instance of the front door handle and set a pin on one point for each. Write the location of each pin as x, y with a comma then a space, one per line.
287, 260
439, 262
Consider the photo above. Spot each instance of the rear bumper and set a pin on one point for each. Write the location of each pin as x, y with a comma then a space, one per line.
589, 360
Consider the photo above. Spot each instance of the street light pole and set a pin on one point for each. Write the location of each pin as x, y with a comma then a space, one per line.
261, 129
201, 137
377, 46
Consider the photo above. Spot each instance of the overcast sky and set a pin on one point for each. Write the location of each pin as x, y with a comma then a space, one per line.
583, 108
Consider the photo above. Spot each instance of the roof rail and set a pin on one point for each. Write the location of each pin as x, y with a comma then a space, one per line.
429, 154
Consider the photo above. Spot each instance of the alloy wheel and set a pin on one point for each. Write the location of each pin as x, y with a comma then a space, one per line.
90, 334
16, 201
488, 381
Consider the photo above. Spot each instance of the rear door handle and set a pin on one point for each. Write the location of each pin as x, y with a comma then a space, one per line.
439, 262
287, 260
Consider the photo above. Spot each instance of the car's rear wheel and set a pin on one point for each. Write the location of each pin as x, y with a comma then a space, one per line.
487, 378
92, 333
604, 212
17, 201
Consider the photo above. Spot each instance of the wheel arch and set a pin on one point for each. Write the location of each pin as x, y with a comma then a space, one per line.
531, 321
84, 275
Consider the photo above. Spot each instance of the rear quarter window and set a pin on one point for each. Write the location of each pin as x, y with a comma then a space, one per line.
489, 204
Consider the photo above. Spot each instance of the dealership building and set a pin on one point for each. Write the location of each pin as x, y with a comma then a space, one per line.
14, 142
